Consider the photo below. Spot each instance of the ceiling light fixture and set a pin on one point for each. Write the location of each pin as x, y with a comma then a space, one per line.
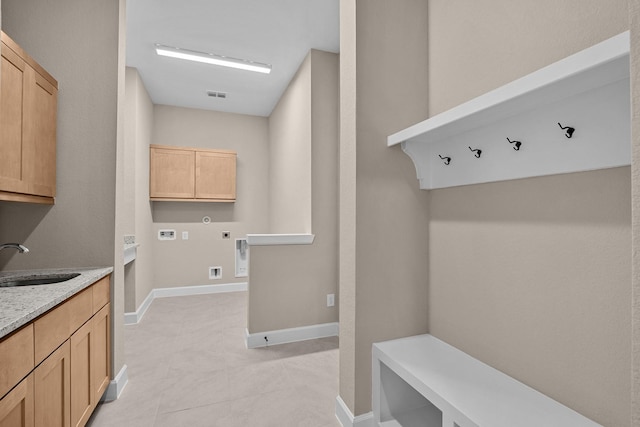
210, 58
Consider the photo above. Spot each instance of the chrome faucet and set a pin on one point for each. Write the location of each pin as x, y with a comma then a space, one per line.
22, 249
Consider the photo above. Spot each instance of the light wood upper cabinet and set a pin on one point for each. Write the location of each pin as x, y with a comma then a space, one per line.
11, 105
39, 135
172, 173
28, 106
215, 175
192, 174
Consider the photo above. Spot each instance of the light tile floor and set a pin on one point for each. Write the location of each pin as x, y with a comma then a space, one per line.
188, 366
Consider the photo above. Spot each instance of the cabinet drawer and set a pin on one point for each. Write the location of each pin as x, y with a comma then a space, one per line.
16, 358
101, 294
51, 330
80, 309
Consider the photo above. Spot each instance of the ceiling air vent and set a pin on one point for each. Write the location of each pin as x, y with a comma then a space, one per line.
215, 94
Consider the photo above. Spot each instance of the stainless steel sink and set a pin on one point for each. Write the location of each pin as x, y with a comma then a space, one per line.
45, 279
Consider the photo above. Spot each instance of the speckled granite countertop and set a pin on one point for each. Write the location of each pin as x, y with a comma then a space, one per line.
21, 304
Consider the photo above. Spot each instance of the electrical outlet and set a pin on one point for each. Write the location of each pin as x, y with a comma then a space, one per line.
185, 235
331, 300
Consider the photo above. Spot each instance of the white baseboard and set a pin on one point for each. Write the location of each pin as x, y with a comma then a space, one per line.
346, 418
199, 290
283, 336
116, 385
135, 317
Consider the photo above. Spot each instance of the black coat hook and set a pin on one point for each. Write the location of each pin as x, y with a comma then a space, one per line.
569, 130
517, 144
477, 151
447, 160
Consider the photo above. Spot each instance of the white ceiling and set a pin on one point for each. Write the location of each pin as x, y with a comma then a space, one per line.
276, 32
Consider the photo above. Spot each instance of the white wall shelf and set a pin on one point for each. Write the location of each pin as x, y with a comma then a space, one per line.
279, 239
423, 381
130, 252
588, 91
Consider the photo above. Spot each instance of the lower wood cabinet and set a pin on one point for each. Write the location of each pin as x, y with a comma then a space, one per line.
16, 408
53, 389
90, 365
82, 393
65, 388
101, 354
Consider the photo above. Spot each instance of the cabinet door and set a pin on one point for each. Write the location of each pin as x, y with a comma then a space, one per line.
215, 175
101, 351
39, 134
16, 408
52, 389
172, 173
11, 106
82, 394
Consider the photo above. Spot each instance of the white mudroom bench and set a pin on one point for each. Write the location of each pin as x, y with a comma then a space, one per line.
423, 381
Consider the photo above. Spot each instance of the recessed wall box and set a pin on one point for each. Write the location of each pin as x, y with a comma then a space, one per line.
166, 234
242, 258
215, 272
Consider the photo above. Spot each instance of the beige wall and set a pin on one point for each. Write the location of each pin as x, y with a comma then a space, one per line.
118, 278
290, 156
347, 203
481, 46
289, 284
139, 124
383, 47
532, 284
634, 14
532, 276
186, 262
78, 229
143, 267
126, 162
565, 297
78, 43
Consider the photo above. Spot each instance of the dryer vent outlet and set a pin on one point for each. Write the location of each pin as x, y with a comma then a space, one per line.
216, 94
215, 272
